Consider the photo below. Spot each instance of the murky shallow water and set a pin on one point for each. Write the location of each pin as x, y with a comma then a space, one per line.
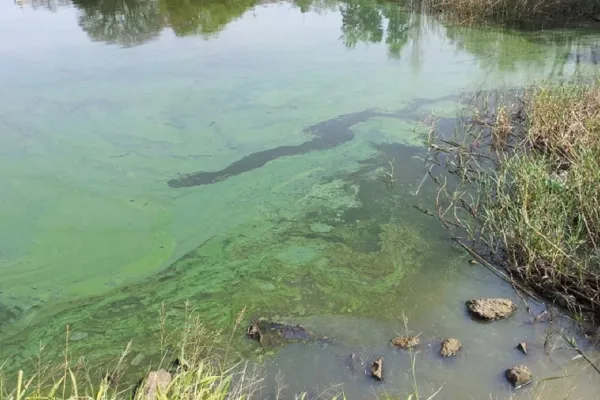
105, 103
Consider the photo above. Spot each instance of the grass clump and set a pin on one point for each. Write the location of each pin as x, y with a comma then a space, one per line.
195, 363
527, 192
515, 12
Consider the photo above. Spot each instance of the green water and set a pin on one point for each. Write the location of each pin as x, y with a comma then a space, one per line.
104, 103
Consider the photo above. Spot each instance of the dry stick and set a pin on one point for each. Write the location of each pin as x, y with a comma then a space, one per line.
521, 296
495, 270
581, 353
423, 210
422, 180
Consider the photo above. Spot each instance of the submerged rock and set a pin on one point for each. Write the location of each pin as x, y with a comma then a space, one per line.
352, 362
156, 380
377, 369
353, 366
77, 336
519, 376
270, 333
406, 342
491, 309
137, 360
450, 347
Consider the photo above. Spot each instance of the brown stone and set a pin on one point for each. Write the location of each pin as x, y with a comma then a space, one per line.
406, 342
156, 380
377, 369
254, 332
519, 376
491, 309
450, 347
274, 334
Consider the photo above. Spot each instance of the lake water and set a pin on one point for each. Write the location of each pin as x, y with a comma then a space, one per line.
116, 115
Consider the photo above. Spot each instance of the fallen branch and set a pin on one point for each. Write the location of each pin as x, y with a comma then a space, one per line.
573, 344
496, 271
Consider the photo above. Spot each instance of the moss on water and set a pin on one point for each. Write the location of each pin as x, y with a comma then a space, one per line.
271, 266
87, 145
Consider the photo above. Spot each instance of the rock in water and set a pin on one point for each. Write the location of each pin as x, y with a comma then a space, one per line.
406, 342
254, 332
273, 334
450, 347
519, 376
156, 380
522, 347
491, 309
377, 369
352, 363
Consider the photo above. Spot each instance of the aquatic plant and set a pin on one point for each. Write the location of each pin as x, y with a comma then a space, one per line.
389, 177
526, 188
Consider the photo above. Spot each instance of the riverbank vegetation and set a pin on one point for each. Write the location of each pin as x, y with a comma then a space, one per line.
196, 364
516, 12
525, 192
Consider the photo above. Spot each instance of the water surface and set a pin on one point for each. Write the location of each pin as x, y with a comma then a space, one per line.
162, 151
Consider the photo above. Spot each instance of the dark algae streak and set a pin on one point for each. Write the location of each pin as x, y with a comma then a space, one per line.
328, 134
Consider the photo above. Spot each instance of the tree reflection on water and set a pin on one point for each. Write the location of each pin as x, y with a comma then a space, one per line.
134, 22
